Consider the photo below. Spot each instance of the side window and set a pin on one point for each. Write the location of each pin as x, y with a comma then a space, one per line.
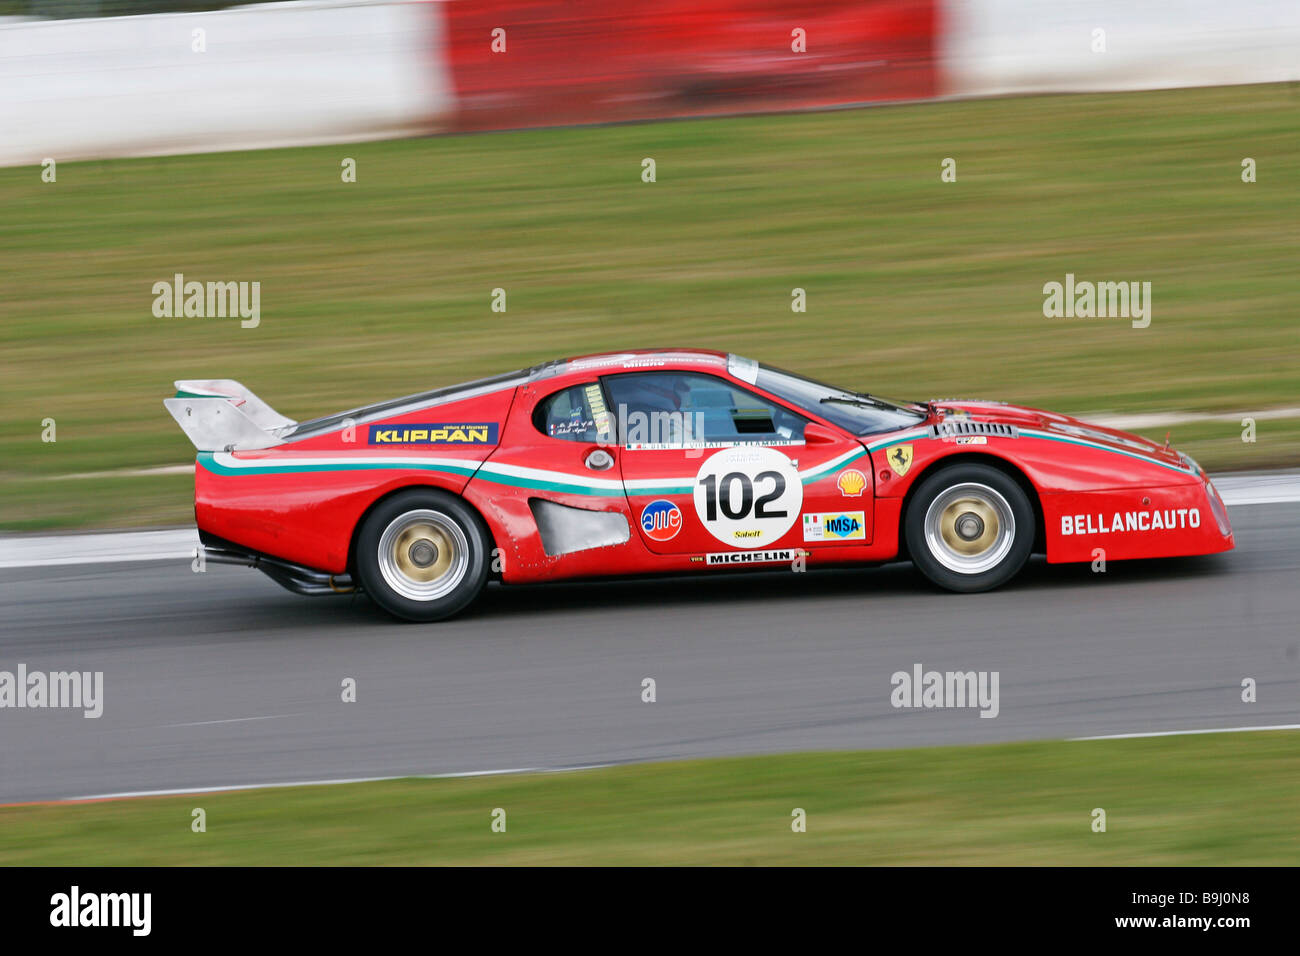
675, 407
569, 414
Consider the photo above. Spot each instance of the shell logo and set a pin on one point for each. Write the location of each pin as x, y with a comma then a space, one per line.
851, 483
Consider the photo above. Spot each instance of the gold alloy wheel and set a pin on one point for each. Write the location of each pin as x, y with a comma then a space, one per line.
969, 528
423, 555
969, 525
423, 552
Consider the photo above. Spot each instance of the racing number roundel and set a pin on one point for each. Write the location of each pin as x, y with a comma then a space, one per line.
748, 497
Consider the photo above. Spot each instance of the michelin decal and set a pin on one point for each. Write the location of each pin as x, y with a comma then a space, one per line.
778, 556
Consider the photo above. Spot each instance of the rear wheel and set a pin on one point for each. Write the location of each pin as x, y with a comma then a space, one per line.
422, 555
969, 527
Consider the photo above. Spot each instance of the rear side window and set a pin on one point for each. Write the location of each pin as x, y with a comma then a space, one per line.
569, 415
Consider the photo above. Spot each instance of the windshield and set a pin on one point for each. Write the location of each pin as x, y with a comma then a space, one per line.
856, 412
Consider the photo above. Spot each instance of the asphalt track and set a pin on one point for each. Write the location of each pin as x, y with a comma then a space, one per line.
222, 678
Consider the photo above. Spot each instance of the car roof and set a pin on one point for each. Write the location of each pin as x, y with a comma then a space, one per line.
628, 360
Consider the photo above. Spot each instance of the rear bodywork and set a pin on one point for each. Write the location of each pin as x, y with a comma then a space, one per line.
294, 493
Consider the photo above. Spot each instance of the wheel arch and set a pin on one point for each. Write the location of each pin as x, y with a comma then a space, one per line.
976, 458
416, 486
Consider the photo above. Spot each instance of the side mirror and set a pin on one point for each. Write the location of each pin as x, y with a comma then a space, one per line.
815, 434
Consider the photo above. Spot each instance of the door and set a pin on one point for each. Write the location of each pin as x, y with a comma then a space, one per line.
711, 468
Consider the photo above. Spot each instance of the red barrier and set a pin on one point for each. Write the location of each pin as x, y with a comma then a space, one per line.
591, 61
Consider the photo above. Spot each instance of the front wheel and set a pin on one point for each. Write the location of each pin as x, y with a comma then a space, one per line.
422, 555
969, 528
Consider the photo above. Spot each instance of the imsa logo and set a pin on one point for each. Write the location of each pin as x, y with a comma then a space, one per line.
456, 433
835, 526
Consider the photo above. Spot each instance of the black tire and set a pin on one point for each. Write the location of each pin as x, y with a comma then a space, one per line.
969, 527
423, 555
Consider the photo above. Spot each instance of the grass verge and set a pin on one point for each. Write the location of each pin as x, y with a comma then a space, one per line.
1223, 799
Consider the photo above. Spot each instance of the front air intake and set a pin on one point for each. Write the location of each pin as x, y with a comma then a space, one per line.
955, 429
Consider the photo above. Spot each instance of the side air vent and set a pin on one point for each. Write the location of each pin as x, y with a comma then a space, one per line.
953, 429
565, 530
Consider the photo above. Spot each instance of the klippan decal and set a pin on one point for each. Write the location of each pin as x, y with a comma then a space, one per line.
441, 433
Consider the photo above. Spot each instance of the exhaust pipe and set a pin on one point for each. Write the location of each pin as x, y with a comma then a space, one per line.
294, 577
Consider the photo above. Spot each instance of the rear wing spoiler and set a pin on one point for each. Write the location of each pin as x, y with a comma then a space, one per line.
221, 415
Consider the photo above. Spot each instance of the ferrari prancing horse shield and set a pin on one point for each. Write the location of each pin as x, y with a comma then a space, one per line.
900, 459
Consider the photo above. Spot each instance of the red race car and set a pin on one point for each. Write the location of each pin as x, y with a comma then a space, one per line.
680, 462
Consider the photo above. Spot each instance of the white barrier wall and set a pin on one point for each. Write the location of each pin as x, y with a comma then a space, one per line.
318, 71
995, 47
271, 75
